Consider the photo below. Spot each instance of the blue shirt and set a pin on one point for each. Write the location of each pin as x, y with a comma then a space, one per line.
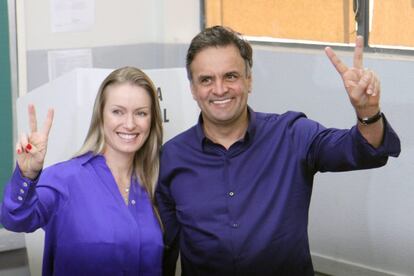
244, 211
89, 230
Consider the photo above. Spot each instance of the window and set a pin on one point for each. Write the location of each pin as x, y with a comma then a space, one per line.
392, 24
382, 23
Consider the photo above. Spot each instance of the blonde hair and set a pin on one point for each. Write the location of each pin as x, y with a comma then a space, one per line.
146, 159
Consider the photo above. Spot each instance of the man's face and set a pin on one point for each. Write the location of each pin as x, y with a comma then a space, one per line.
220, 85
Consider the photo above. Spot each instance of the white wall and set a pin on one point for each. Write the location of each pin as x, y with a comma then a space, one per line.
146, 34
181, 21
359, 221
119, 22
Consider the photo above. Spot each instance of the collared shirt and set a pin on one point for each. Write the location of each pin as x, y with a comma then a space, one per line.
244, 211
89, 228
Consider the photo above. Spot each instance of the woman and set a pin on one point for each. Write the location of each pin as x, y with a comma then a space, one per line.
96, 209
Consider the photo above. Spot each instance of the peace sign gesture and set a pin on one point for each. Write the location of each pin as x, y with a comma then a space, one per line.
31, 149
362, 85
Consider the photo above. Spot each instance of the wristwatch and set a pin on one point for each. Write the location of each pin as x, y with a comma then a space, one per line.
370, 120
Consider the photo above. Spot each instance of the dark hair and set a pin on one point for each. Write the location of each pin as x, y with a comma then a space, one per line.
218, 36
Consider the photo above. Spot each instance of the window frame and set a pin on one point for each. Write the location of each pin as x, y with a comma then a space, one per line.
363, 26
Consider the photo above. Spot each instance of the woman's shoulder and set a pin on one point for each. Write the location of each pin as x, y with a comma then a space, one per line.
68, 167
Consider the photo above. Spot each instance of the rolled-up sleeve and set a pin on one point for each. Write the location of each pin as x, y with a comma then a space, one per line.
344, 150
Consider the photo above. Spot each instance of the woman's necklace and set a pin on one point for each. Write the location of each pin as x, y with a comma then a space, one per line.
124, 190
126, 194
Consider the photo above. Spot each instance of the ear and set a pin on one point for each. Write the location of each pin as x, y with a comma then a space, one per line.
193, 90
250, 82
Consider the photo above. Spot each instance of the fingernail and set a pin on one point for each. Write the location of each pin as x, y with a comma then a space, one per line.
29, 147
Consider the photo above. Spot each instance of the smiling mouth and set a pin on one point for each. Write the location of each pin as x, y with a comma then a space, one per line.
127, 136
224, 101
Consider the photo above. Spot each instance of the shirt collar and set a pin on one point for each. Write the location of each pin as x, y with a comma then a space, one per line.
87, 157
250, 132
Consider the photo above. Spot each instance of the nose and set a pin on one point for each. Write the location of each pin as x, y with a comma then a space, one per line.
130, 121
220, 88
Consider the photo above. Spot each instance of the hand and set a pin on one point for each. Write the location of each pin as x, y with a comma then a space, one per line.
362, 85
31, 149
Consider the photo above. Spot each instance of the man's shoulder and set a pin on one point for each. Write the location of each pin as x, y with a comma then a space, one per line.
286, 117
182, 138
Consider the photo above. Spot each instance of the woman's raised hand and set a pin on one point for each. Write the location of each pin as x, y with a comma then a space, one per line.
31, 148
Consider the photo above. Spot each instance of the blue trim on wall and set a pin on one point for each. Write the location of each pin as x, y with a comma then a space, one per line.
6, 120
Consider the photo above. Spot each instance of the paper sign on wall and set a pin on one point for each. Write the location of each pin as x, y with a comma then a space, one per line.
72, 15
64, 61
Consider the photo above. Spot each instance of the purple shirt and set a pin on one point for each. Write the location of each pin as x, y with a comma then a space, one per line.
244, 211
89, 228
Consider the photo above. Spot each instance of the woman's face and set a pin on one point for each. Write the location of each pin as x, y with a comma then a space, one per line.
126, 119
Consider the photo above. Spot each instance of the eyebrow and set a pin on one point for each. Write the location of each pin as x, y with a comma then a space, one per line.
224, 74
139, 108
205, 76
232, 72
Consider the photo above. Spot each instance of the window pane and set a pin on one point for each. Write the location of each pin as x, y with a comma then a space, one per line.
316, 20
392, 23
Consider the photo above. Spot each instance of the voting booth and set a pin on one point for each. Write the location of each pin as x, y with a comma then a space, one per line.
72, 97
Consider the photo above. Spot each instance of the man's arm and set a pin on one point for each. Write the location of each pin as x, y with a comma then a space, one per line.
363, 88
166, 207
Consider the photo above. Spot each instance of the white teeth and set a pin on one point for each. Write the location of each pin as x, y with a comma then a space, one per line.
221, 101
127, 136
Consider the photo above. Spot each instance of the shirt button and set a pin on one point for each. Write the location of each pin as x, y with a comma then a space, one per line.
133, 202
235, 225
20, 198
231, 193
25, 184
21, 191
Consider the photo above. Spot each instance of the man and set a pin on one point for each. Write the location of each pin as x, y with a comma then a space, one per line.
234, 190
